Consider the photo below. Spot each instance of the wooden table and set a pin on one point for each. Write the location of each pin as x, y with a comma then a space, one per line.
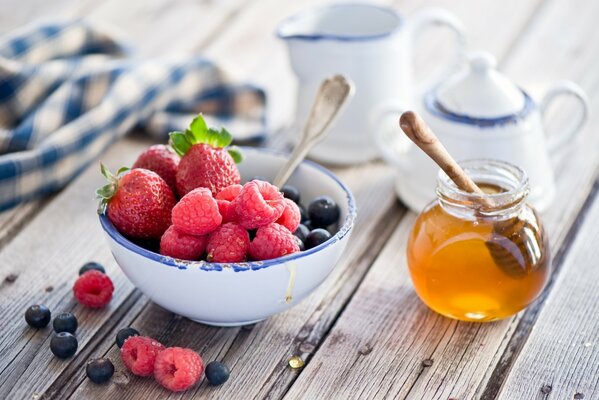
364, 333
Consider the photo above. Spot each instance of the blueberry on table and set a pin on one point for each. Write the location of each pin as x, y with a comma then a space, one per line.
91, 265
65, 322
302, 232
63, 345
99, 370
317, 237
291, 193
323, 211
125, 334
38, 316
217, 373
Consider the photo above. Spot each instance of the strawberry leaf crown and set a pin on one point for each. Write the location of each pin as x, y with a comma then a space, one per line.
106, 192
198, 132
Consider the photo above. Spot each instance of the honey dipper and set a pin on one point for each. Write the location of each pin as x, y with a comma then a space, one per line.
505, 241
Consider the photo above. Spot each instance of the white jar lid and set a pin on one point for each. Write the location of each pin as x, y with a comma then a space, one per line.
480, 91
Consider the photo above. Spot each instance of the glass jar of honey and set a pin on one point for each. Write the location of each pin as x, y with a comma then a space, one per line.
479, 257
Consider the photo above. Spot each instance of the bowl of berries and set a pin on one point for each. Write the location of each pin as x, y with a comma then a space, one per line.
198, 227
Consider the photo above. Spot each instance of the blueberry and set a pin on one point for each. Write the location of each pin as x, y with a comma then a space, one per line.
63, 345
300, 243
291, 193
217, 373
99, 370
308, 224
65, 322
303, 213
302, 232
316, 237
323, 211
38, 316
125, 334
91, 265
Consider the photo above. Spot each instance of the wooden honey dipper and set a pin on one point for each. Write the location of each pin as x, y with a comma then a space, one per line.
504, 242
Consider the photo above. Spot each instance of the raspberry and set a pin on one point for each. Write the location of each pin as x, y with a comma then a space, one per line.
181, 245
93, 289
196, 213
291, 216
178, 369
139, 354
272, 241
228, 243
226, 206
258, 204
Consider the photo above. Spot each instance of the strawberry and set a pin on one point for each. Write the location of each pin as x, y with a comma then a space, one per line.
160, 159
138, 202
206, 161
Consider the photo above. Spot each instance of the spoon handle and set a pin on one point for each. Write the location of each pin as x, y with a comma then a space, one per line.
332, 95
422, 136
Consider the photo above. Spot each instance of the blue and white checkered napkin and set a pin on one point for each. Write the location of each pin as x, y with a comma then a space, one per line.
67, 92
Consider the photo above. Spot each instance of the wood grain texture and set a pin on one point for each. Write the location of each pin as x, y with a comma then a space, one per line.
463, 355
46, 256
560, 359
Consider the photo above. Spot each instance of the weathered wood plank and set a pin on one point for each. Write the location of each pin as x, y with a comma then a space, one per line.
46, 256
560, 358
403, 333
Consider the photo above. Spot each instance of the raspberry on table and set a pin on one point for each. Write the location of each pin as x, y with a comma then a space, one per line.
291, 216
178, 369
93, 289
229, 193
139, 354
196, 213
181, 245
258, 204
273, 241
228, 243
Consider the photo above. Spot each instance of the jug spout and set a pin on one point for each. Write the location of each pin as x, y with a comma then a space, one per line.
341, 22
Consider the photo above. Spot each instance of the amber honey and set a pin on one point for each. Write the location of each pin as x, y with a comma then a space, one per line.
477, 268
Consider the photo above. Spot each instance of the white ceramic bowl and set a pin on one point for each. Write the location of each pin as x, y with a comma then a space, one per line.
241, 293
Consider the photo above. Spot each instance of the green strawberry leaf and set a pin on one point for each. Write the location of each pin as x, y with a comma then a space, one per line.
106, 172
122, 170
179, 142
106, 191
198, 126
236, 154
224, 138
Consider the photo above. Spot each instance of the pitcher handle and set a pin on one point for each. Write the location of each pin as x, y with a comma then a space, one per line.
391, 142
556, 142
434, 17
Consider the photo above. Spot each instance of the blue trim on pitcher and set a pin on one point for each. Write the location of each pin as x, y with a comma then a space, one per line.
434, 107
340, 37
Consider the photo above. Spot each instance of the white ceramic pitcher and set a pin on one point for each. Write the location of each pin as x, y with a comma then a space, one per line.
479, 113
371, 45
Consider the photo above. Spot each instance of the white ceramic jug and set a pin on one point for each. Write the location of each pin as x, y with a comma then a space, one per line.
479, 113
372, 46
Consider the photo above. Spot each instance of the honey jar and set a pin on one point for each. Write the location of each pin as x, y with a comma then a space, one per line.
479, 257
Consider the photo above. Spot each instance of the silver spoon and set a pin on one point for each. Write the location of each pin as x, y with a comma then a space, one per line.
331, 97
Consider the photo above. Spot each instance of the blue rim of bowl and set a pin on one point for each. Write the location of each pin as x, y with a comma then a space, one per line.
339, 37
250, 265
434, 107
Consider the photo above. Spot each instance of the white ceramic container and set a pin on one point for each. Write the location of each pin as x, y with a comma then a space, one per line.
243, 293
371, 45
479, 113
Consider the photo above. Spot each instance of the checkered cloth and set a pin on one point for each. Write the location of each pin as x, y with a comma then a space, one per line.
67, 93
